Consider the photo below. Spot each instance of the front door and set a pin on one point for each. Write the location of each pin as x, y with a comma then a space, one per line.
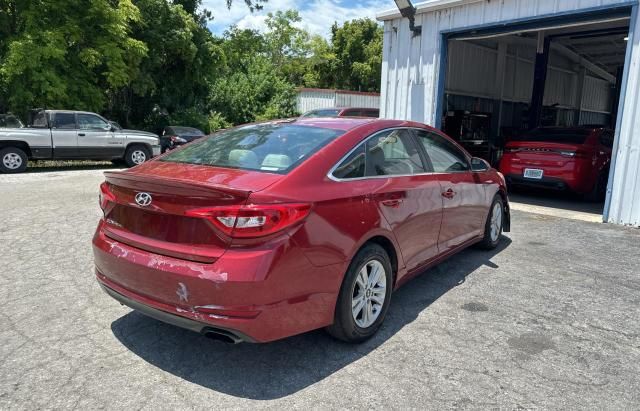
64, 135
464, 196
95, 138
409, 198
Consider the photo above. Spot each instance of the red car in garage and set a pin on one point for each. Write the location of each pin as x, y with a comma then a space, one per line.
575, 159
269, 230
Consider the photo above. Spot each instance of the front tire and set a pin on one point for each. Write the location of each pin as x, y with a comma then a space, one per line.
364, 296
13, 160
494, 225
136, 155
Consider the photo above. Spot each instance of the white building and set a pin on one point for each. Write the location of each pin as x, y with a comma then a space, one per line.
488, 56
314, 98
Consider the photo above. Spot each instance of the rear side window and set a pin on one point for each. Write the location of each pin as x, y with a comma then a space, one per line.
267, 147
393, 152
371, 113
64, 121
445, 156
353, 166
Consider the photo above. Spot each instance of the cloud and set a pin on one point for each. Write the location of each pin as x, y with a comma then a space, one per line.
317, 15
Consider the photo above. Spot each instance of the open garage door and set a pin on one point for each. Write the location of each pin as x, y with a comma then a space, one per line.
540, 101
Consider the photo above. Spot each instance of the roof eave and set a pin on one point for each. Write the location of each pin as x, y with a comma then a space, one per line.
424, 7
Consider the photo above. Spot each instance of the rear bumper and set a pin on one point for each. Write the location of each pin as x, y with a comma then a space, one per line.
258, 295
551, 183
178, 321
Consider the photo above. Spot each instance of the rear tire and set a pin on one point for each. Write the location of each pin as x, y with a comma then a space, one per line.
136, 155
364, 296
494, 225
13, 160
599, 191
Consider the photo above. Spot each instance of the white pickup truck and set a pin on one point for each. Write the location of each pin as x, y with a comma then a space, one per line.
73, 135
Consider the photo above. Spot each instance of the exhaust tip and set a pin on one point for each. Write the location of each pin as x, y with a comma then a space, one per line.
221, 335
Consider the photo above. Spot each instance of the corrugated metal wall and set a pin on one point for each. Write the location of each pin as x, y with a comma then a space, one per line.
411, 68
472, 72
312, 99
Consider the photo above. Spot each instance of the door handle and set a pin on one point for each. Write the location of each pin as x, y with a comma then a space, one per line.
449, 194
81, 134
393, 203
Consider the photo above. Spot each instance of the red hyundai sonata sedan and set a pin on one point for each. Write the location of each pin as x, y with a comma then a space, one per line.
270, 230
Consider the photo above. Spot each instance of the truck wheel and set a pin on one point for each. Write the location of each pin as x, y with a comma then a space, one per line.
13, 160
136, 155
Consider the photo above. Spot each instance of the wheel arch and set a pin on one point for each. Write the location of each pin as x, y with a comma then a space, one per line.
385, 241
22, 145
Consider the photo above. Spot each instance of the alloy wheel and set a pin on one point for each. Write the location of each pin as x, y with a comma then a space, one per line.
12, 161
138, 157
496, 221
369, 294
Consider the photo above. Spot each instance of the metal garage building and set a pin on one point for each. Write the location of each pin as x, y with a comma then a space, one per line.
308, 99
486, 56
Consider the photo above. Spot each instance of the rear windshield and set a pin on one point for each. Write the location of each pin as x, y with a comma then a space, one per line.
187, 130
266, 147
322, 113
555, 135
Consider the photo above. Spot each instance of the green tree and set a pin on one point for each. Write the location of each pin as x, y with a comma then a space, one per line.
257, 94
66, 53
357, 46
287, 44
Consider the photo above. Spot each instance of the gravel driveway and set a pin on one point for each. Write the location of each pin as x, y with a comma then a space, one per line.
549, 320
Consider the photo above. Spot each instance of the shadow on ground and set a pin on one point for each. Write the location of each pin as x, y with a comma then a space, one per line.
281, 368
49, 166
555, 199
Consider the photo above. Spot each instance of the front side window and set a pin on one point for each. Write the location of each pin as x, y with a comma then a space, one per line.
445, 156
266, 147
393, 152
64, 121
91, 122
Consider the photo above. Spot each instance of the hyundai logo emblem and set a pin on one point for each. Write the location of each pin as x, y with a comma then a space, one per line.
143, 199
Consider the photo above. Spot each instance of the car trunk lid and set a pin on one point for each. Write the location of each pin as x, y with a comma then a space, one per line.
543, 153
150, 207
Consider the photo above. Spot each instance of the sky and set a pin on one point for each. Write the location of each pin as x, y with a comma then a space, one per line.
317, 15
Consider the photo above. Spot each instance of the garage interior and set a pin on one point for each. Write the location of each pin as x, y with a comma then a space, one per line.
500, 84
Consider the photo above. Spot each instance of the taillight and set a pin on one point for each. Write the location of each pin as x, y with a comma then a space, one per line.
177, 139
254, 220
573, 153
105, 196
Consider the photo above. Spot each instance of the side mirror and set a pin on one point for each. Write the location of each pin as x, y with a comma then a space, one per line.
479, 165
113, 129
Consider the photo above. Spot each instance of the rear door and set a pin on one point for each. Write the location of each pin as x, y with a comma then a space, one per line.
95, 138
463, 194
64, 135
410, 198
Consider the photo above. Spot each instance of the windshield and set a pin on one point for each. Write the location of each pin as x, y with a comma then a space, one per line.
322, 113
267, 147
555, 135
